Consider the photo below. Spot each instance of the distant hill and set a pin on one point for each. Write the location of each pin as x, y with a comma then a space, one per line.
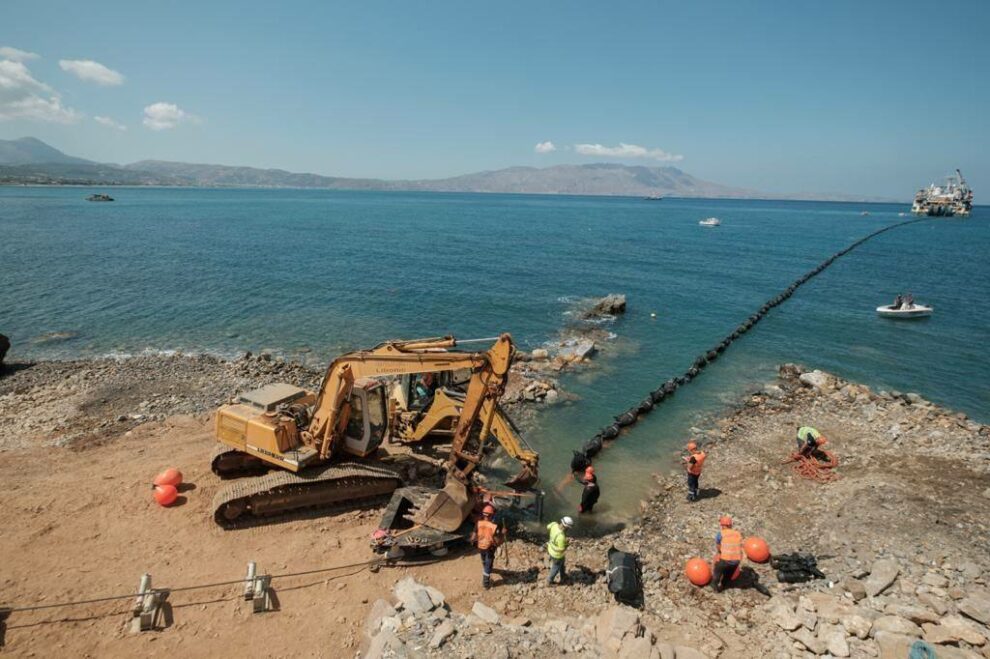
32, 151
31, 161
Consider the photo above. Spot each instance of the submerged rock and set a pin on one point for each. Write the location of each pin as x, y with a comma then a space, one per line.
610, 305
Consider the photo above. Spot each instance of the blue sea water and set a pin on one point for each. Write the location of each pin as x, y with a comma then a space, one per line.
310, 274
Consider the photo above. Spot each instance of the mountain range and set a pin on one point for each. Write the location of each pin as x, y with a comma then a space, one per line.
28, 160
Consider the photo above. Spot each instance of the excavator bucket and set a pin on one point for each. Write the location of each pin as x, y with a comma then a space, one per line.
447, 508
524, 480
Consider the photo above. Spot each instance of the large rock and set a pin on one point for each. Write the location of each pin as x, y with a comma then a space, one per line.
898, 646
637, 647
834, 639
573, 350
379, 609
854, 587
883, 573
916, 614
976, 607
443, 632
485, 612
809, 640
614, 625
782, 614
952, 629
856, 625
385, 644
831, 608
610, 305
896, 625
815, 380
413, 596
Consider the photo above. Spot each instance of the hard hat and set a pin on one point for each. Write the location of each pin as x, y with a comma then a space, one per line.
589, 471
566, 522
725, 520
691, 446
488, 510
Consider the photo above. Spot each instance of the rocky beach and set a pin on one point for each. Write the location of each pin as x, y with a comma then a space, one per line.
899, 535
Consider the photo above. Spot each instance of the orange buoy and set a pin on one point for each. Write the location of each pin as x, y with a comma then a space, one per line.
756, 549
165, 495
170, 476
698, 572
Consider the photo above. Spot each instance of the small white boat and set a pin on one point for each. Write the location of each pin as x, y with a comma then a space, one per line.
710, 222
905, 311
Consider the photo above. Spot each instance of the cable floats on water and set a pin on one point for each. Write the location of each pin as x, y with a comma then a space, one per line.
593, 446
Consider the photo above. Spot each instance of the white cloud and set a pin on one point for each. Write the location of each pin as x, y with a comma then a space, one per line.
109, 123
545, 147
24, 97
162, 116
6, 52
626, 151
90, 71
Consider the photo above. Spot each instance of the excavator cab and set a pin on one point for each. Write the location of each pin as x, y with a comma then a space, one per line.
368, 420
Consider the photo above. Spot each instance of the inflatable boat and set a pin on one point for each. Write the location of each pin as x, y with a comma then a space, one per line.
710, 222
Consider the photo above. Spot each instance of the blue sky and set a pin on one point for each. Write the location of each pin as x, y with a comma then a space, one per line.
776, 96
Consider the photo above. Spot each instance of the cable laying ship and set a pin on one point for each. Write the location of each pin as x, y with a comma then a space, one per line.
953, 198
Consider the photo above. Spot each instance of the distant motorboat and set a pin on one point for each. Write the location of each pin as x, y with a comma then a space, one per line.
865, 213
99, 197
905, 311
710, 222
654, 197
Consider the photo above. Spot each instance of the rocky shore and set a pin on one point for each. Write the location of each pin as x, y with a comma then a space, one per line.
901, 538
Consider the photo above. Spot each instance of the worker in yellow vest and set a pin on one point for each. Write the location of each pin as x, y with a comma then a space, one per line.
557, 548
693, 463
487, 538
729, 543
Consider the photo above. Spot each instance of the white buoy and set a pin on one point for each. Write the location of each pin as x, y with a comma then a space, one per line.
653, 314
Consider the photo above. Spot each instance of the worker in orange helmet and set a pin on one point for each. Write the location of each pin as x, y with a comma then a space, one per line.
487, 537
591, 492
693, 463
729, 543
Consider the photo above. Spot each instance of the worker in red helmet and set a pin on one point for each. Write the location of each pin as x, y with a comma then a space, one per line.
591, 492
693, 463
487, 537
729, 543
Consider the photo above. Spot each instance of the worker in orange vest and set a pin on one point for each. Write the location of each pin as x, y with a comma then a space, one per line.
591, 492
693, 463
487, 537
729, 543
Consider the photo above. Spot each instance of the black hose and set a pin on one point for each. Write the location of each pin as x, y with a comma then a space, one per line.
667, 389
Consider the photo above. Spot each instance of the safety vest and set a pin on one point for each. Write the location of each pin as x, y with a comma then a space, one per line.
699, 460
804, 431
486, 534
731, 548
558, 541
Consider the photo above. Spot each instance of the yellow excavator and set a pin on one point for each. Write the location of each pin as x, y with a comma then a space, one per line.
326, 444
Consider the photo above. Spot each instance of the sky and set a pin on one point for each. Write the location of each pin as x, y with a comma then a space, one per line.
870, 98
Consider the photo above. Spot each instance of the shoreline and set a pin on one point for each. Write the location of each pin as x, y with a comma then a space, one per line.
907, 494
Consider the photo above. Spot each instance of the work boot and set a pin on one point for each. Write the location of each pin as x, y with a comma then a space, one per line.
486, 583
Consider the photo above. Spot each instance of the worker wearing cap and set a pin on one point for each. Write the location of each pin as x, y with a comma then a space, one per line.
729, 543
693, 463
808, 440
486, 538
591, 492
557, 547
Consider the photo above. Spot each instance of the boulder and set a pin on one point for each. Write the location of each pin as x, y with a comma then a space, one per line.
808, 640
614, 625
610, 305
882, 574
856, 625
831, 608
782, 614
815, 379
385, 644
442, 633
896, 625
573, 350
413, 596
539, 354
834, 639
637, 647
485, 612
379, 609
952, 629
916, 614
976, 607
854, 587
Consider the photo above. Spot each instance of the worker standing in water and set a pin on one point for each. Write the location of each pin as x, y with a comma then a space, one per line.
729, 543
487, 537
693, 463
808, 440
591, 491
557, 548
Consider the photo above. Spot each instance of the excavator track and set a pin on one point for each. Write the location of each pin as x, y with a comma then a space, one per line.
228, 462
339, 486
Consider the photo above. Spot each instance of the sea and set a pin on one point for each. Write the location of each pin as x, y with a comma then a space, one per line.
309, 274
